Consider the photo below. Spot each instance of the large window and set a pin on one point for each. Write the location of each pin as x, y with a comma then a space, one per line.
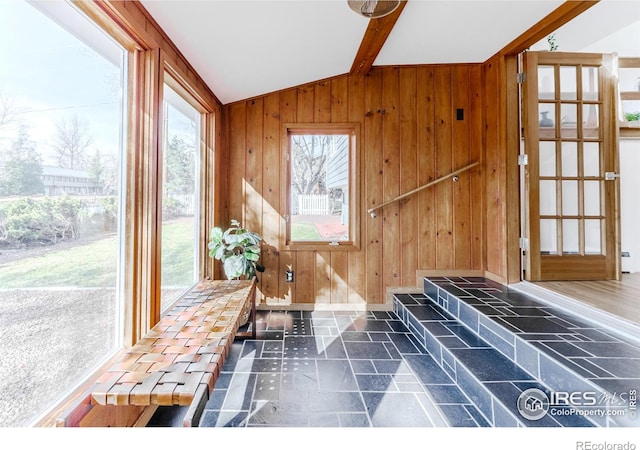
61, 135
180, 199
322, 186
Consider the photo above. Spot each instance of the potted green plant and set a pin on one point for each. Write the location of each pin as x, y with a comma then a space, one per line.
632, 118
238, 249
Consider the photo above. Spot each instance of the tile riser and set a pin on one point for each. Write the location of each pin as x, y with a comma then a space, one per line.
494, 411
474, 321
473, 388
537, 364
492, 408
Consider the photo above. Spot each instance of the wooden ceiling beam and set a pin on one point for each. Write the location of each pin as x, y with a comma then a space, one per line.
374, 38
563, 14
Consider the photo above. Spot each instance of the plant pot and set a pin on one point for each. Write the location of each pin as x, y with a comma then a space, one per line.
632, 123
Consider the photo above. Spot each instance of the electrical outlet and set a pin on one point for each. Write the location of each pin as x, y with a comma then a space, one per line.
289, 274
626, 255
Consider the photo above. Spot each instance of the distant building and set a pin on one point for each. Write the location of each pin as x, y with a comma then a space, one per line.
58, 181
338, 175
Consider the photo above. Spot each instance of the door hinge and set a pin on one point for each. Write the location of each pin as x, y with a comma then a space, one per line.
610, 176
523, 160
524, 243
521, 77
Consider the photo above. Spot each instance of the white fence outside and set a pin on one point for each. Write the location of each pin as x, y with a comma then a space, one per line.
186, 203
313, 205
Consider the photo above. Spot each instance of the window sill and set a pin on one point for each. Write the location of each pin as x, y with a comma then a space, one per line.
323, 246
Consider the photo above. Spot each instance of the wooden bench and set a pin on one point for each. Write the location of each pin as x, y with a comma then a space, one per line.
175, 364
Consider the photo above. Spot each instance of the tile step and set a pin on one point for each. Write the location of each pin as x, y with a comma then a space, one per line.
490, 380
497, 343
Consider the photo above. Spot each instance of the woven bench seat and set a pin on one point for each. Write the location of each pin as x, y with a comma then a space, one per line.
176, 363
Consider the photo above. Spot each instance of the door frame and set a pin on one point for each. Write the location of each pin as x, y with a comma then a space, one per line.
531, 259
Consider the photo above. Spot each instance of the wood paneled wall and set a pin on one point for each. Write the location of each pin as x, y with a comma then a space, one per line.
410, 135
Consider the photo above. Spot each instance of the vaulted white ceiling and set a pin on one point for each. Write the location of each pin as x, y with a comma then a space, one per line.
245, 48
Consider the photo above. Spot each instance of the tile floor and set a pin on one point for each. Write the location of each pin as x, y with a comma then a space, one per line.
334, 369
367, 369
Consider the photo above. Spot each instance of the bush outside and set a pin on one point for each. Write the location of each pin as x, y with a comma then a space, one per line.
28, 222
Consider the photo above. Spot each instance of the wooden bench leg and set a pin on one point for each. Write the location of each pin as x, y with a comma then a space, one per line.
253, 317
85, 414
252, 320
194, 413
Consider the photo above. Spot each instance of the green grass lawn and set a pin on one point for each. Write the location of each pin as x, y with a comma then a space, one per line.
94, 264
304, 232
177, 253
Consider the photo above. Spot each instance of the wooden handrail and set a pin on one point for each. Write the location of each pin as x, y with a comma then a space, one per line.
431, 183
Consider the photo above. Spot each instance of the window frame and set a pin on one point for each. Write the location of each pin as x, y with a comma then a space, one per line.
150, 58
76, 22
171, 79
209, 159
352, 129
